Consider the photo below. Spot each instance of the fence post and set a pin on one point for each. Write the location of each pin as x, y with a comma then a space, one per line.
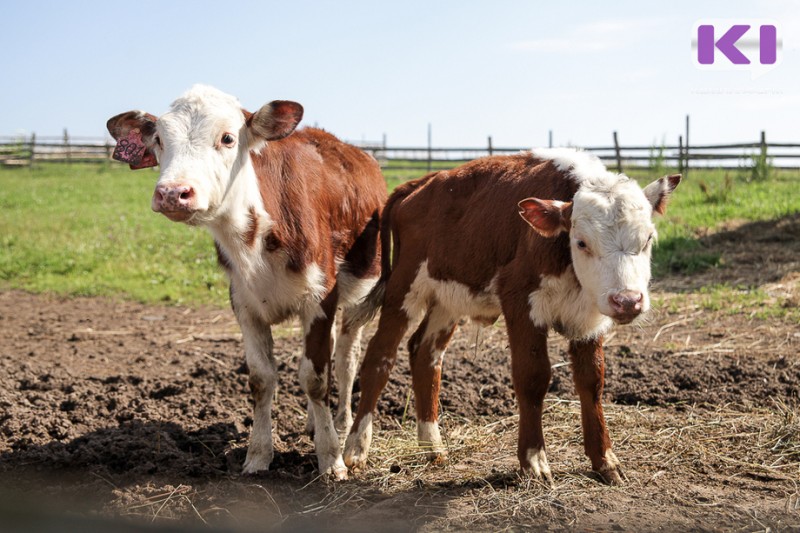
66, 143
490, 145
680, 154
33, 149
686, 151
763, 146
616, 152
430, 152
550, 138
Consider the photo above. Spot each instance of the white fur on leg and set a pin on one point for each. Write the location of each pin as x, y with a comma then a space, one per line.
326, 441
348, 350
309, 419
356, 448
430, 439
263, 380
539, 467
259, 450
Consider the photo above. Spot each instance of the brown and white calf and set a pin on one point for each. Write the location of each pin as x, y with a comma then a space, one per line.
461, 249
295, 218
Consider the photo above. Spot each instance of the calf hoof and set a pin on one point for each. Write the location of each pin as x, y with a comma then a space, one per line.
612, 475
537, 467
437, 457
610, 470
355, 454
334, 469
255, 463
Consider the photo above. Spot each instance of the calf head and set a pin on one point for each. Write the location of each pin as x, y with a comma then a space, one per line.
611, 231
202, 144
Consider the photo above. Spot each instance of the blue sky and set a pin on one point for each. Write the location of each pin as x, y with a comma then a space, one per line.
510, 69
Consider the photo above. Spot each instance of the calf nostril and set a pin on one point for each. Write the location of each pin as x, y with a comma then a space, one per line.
186, 194
627, 301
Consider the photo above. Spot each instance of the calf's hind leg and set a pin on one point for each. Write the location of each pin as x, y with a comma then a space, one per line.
315, 368
345, 364
426, 350
530, 371
378, 363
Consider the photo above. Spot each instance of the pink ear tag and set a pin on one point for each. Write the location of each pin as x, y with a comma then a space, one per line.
132, 150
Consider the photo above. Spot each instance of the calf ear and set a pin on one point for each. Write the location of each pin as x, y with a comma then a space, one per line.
659, 191
547, 217
275, 120
135, 133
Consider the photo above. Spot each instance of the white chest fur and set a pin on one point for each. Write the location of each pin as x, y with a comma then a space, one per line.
561, 303
263, 285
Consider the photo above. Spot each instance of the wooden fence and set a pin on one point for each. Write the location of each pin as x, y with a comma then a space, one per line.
21, 151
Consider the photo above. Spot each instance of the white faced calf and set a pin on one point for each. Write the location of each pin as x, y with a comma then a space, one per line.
461, 249
294, 215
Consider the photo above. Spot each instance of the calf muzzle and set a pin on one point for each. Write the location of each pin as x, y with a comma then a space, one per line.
626, 305
176, 202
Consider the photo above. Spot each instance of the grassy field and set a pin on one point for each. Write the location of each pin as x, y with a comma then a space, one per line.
89, 230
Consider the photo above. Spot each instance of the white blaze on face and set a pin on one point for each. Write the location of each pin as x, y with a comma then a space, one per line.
202, 145
611, 239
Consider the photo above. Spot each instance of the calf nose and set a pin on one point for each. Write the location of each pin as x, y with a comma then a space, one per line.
173, 198
626, 304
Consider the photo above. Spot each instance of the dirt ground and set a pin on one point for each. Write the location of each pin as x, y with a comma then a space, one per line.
114, 413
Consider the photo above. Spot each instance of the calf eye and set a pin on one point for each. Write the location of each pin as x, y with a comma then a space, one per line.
583, 246
228, 140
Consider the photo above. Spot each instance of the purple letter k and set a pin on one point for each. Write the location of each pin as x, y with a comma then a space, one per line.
726, 44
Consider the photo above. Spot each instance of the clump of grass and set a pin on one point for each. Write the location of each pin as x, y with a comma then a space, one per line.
657, 160
715, 194
759, 167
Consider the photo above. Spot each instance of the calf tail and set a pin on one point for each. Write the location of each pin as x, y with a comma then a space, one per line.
372, 302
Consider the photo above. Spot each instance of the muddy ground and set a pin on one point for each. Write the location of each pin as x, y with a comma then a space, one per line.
114, 412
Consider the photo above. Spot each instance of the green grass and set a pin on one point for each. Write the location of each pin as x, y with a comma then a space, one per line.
88, 230
707, 199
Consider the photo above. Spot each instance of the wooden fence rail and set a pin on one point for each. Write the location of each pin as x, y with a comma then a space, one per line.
25, 151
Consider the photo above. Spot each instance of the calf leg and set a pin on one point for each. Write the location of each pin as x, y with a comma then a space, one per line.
263, 379
348, 351
309, 409
426, 350
588, 366
530, 371
315, 368
378, 363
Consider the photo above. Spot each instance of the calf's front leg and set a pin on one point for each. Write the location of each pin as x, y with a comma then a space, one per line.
263, 379
588, 367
